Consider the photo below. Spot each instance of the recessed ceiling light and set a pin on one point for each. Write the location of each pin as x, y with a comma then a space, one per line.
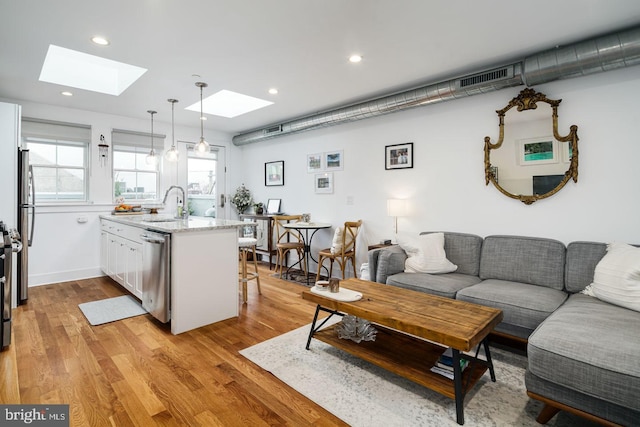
70, 68
66, 93
229, 104
273, 91
355, 58
100, 40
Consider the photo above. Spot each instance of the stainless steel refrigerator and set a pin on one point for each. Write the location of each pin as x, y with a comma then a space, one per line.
26, 221
16, 195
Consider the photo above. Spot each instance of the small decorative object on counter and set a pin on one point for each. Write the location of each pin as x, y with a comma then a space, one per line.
306, 217
242, 199
322, 285
259, 207
334, 285
356, 329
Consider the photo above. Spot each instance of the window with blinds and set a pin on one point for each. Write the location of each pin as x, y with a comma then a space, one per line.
59, 155
134, 179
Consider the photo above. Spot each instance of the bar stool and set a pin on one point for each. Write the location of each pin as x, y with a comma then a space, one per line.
248, 245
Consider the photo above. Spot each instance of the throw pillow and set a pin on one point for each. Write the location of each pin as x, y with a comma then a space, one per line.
617, 276
336, 245
426, 255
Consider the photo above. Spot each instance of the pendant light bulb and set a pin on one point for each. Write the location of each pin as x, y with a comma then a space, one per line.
172, 154
152, 158
202, 147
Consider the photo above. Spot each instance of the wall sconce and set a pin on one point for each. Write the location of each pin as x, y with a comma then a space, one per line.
396, 208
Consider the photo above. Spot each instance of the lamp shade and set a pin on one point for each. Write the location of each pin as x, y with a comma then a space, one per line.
397, 207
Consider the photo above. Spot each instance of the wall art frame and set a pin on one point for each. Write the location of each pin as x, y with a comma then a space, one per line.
315, 163
537, 151
398, 156
323, 183
274, 173
334, 160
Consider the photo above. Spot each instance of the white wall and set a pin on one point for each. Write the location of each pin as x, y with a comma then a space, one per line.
446, 187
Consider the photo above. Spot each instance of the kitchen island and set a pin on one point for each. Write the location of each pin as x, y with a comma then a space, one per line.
199, 277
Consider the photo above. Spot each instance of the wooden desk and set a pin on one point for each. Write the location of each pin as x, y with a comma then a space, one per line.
404, 320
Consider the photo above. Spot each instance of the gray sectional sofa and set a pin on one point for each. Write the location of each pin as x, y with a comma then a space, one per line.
583, 353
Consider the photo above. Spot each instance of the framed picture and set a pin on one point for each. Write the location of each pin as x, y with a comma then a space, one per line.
274, 173
314, 163
399, 156
334, 160
537, 151
273, 206
323, 182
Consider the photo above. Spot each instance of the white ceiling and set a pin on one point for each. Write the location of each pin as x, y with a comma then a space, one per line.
298, 46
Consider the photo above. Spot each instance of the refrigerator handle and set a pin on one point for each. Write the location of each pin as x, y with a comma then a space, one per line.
33, 204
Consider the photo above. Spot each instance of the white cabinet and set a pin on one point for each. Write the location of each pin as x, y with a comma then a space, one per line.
121, 255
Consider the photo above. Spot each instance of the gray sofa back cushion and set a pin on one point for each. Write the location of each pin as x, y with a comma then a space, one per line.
463, 250
531, 260
582, 258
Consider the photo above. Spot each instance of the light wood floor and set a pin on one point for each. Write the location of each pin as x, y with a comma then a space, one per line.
135, 373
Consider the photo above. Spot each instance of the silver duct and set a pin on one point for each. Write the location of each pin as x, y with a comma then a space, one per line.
605, 53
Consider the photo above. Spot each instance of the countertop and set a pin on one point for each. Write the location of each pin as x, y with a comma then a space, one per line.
168, 224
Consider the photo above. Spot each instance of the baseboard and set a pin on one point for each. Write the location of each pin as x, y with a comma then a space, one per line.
64, 276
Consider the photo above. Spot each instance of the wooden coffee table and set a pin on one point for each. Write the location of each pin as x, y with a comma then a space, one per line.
405, 320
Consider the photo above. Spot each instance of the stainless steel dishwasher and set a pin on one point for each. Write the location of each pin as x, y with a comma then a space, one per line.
156, 274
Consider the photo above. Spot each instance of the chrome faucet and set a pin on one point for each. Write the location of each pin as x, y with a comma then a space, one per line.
185, 211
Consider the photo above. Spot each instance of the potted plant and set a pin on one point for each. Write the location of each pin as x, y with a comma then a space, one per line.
259, 207
242, 199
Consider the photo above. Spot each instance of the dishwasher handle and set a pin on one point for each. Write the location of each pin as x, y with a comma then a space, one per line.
151, 239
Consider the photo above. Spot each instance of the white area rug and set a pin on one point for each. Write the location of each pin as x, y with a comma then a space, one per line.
362, 394
111, 309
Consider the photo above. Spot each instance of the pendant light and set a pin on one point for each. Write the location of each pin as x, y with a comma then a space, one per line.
152, 159
172, 154
202, 147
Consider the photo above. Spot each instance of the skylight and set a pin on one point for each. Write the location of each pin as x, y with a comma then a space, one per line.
83, 71
229, 104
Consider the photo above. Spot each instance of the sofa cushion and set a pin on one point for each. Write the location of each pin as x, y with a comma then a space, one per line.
590, 346
444, 285
524, 306
531, 260
426, 254
463, 250
582, 258
617, 276
389, 261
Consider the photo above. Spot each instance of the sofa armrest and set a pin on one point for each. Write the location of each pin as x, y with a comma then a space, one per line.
385, 262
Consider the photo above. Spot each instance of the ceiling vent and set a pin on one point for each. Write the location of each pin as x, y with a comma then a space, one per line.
489, 76
273, 130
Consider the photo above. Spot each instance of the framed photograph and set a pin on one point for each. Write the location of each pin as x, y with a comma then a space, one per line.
273, 206
274, 173
334, 160
323, 183
537, 151
314, 162
398, 156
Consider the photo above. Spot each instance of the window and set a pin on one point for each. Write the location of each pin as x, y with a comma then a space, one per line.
58, 153
201, 183
133, 178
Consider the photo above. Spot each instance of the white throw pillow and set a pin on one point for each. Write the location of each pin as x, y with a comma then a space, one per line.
336, 245
617, 276
426, 255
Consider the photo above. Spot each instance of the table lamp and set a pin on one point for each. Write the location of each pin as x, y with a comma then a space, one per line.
396, 208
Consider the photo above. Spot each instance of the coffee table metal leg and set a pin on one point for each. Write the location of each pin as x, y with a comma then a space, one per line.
457, 386
485, 343
313, 326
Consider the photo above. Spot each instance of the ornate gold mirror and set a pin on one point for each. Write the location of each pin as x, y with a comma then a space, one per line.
531, 161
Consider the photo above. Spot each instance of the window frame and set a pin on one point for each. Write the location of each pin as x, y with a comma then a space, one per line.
122, 148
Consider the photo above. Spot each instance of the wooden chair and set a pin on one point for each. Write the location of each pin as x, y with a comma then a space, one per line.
344, 251
287, 240
247, 245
